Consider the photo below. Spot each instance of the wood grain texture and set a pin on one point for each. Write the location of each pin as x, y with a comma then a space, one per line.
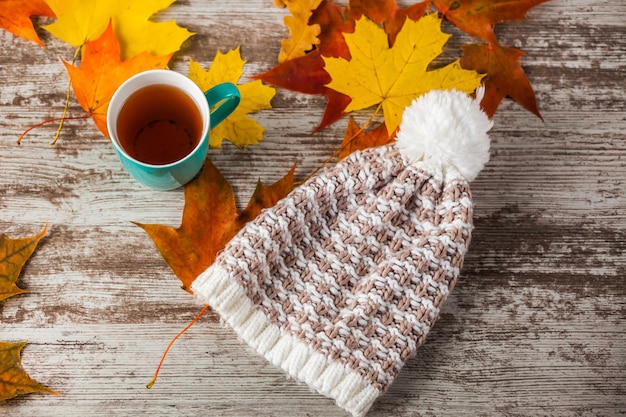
536, 325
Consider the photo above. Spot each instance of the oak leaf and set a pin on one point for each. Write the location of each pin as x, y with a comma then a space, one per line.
302, 35
15, 17
102, 71
478, 17
209, 221
14, 380
504, 76
356, 138
392, 77
238, 128
82, 21
13, 255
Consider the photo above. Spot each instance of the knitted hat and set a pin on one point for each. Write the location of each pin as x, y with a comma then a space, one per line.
340, 282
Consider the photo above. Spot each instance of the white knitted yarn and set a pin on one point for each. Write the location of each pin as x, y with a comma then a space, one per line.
448, 128
339, 283
301, 361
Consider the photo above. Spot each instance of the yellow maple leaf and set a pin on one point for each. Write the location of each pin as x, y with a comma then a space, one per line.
238, 128
393, 77
80, 21
13, 256
14, 380
302, 35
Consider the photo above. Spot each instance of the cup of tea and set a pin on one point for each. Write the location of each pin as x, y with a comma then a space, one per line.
159, 122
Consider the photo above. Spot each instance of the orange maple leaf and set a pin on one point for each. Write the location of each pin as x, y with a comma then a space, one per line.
504, 76
302, 35
14, 380
102, 71
266, 196
356, 138
13, 255
478, 17
209, 222
15, 17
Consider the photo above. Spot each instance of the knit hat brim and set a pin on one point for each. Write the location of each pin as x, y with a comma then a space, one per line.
299, 360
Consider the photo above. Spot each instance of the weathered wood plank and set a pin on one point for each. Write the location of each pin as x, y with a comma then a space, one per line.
535, 326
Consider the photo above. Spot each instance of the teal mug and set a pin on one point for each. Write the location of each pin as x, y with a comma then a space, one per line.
159, 122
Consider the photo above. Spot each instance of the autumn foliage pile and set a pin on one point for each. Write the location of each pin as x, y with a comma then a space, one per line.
370, 55
375, 53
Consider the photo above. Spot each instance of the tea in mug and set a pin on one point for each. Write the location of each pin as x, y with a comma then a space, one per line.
159, 124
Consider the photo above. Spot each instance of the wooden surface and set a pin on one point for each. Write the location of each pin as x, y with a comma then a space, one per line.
536, 325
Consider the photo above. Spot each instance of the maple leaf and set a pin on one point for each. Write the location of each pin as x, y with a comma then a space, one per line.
302, 35
82, 21
387, 13
209, 222
356, 138
14, 380
238, 128
504, 76
15, 17
265, 197
478, 17
102, 71
13, 255
393, 77
336, 20
306, 74
333, 21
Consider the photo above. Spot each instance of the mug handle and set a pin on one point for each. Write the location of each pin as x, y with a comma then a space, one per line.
223, 99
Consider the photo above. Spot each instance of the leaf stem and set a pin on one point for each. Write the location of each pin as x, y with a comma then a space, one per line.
56, 119
195, 319
68, 91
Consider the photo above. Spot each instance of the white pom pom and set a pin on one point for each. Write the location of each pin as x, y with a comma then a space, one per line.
448, 128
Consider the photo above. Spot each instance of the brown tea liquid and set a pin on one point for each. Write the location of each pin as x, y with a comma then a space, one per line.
159, 124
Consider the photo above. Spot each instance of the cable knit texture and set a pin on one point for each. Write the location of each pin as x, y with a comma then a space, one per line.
340, 282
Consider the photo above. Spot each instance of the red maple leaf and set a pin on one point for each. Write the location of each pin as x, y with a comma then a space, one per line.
504, 76
478, 17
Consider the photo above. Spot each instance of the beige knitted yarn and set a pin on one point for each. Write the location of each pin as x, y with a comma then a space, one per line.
341, 281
